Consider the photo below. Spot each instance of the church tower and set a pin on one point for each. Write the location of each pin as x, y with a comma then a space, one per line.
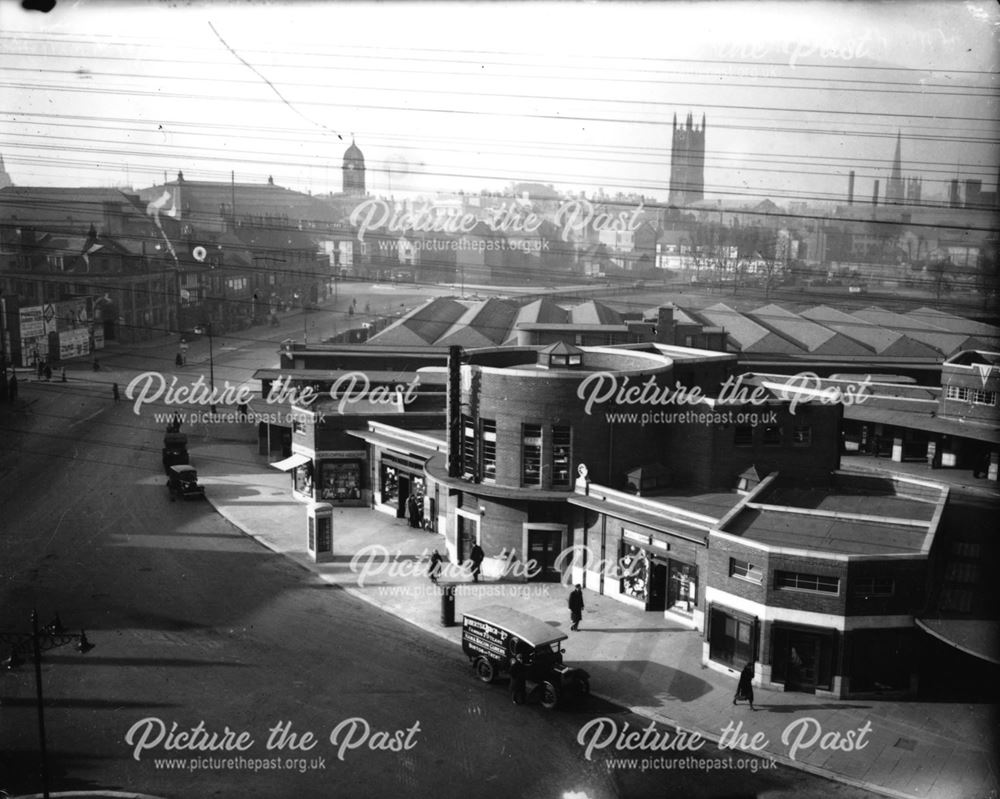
894, 191
354, 171
687, 162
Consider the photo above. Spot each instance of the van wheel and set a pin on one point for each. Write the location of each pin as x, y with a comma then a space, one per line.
484, 670
550, 697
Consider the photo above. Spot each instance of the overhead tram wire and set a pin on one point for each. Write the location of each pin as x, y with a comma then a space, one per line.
476, 59
115, 124
161, 95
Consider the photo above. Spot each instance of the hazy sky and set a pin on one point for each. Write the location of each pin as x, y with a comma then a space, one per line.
472, 96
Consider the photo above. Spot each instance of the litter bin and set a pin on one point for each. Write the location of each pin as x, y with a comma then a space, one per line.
447, 604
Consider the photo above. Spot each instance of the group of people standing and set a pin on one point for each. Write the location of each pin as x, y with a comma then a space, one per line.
415, 510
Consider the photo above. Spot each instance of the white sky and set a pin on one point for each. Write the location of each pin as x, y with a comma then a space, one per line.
470, 96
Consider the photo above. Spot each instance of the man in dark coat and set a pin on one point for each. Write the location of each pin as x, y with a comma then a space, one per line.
744, 690
476, 556
576, 607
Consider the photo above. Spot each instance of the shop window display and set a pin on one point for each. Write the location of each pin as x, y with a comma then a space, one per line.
635, 572
303, 476
341, 481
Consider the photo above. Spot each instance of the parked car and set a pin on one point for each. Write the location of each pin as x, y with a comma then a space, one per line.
497, 639
182, 481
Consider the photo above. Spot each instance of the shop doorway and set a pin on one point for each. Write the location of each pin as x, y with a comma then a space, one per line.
404, 494
467, 535
801, 655
657, 599
544, 546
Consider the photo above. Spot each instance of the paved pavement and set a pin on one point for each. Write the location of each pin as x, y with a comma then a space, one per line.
636, 659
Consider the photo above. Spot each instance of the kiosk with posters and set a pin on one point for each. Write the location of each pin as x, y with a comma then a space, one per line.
319, 527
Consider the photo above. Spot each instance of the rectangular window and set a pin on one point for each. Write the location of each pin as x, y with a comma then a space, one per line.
795, 581
468, 448
298, 427
730, 639
743, 436
744, 570
874, 587
984, 397
772, 435
489, 450
531, 454
957, 393
562, 440
802, 435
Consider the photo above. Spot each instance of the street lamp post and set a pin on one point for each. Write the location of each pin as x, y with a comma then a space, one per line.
207, 329
39, 639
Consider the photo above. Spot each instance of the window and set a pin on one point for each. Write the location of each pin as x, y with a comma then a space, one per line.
731, 640
489, 450
743, 437
468, 448
869, 587
796, 581
531, 454
772, 435
562, 436
984, 397
957, 393
802, 435
744, 570
298, 427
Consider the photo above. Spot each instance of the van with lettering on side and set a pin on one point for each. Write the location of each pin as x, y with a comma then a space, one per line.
501, 642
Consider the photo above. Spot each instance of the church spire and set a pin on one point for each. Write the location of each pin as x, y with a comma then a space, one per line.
5, 180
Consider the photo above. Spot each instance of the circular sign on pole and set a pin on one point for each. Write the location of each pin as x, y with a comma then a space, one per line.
199, 253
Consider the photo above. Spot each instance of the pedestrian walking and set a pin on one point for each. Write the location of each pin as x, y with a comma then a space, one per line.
41, 369
744, 689
576, 607
62, 374
476, 556
48, 372
114, 391
413, 510
435, 566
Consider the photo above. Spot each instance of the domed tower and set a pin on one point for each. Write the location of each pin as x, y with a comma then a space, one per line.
354, 171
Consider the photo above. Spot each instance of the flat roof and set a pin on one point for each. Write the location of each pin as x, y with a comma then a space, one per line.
793, 529
836, 500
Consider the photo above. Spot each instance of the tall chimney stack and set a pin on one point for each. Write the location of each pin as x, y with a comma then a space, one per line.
875, 194
850, 188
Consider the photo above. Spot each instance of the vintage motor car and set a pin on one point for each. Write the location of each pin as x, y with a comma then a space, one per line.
174, 449
182, 481
497, 639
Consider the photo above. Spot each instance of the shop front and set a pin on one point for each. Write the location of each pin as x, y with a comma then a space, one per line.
654, 574
803, 658
402, 486
340, 477
399, 485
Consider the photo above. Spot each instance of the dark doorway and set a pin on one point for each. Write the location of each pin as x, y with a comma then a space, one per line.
466, 537
544, 547
801, 655
404, 494
657, 599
